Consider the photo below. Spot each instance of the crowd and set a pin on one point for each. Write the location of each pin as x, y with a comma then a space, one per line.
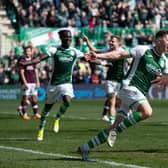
89, 14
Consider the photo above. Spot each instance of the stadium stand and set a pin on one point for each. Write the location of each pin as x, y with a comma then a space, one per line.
135, 20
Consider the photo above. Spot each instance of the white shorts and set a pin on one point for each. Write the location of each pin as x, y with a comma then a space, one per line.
112, 87
54, 93
31, 91
131, 97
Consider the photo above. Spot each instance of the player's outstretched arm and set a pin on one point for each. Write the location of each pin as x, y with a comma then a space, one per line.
35, 60
112, 55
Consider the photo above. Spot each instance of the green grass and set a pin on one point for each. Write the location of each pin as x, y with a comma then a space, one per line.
144, 144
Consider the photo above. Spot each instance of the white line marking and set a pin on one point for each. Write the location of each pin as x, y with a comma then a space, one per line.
16, 139
70, 157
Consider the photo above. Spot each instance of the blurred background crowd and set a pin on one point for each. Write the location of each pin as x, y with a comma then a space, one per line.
88, 13
144, 16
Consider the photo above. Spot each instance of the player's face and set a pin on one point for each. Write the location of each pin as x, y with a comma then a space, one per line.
29, 52
162, 44
66, 39
114, 43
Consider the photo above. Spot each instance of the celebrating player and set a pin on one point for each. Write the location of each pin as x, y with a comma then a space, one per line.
115, 74
149, 61
60, 85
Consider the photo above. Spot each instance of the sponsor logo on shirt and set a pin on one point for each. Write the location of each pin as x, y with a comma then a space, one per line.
152, 69
66, 59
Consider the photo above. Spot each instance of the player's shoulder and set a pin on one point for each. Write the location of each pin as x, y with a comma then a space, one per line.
143, 47
22, 58
73, 48
140, 50
76, 51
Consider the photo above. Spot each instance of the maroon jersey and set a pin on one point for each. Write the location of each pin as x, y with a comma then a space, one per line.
29, 70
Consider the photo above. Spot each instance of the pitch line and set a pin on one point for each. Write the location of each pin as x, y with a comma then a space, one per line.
58, 155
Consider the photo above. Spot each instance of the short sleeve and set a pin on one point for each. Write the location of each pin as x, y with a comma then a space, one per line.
51, 50
165, 71
79, 54
138, 51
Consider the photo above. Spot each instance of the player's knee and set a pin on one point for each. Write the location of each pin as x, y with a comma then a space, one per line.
147, 113
33, 102
146, 110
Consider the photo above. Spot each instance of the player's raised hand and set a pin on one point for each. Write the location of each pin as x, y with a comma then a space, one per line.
93, 55
90, 56
85, 38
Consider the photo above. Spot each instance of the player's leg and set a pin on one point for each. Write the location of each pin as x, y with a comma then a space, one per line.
141, 109
63, 108
34, 104
66, 91
144, 111
33, 101
109, 135
106, 108
112, 110
45, 113
112, 88
23, 105
24, 108
100, 138
50, 100
105, 114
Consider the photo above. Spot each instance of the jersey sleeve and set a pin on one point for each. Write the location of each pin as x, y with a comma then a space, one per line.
79, 54
165, 71
51, 50
138, 51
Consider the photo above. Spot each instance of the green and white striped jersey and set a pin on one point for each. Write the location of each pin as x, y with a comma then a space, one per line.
146, 65
119, 69
63, 64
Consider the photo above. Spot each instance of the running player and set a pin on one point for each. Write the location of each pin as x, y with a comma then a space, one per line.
150, 61
60, 85
115, 74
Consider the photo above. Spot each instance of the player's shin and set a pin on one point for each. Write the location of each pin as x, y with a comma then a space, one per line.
45, 113
62, 109
130, 120
99, 139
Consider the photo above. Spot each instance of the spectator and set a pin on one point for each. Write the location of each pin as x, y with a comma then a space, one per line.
3, 77
51, 19
95, 77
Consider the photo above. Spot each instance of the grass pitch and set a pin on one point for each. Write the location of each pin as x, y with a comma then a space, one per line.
144, 145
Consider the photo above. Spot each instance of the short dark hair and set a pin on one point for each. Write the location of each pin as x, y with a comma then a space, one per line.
63, 31
29, 46
161, 33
